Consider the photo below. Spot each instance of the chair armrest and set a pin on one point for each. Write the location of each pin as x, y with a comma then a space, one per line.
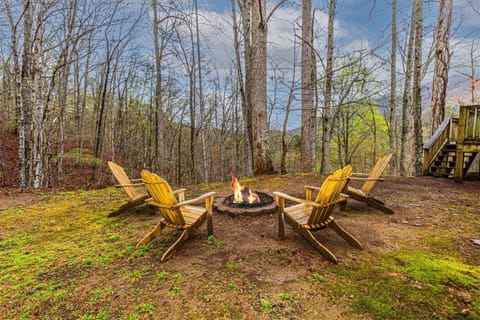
297, 200
366, 179
136, 180
180, 194
309, 191
198, 199
152, 202
129, 185
359, 174
182, 190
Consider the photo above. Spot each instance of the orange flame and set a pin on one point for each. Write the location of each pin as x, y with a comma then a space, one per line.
241, 193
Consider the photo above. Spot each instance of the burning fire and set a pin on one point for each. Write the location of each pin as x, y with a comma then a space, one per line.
242, 194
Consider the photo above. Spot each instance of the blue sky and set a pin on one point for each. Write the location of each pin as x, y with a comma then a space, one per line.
370, 20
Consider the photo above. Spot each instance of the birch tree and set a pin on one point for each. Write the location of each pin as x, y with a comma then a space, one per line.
17, 94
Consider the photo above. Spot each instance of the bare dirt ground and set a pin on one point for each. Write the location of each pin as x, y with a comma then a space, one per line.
419, 203
256, 261
422, 206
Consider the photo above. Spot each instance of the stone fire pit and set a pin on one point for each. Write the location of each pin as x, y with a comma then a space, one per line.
225, 204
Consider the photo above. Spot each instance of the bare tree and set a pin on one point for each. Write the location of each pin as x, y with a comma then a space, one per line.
309, 112
407, 96
283, 168
327, 125
417, 89
442, 62
243, 75
159, 116
257, 88
17, 94
201, 98
392, 128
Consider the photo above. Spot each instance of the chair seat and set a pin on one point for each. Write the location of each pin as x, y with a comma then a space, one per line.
191, 214
300, 213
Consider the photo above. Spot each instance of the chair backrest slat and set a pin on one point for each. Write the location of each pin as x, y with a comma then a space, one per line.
328, 194
377, 171
122, 179
162, 193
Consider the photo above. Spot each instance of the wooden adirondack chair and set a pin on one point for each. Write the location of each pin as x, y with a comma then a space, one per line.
178, 214
307, 216
129, 186
363, 193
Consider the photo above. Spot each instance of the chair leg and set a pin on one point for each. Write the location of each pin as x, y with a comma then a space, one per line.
281, 226
152, 234
307, 234
209, 223
176, 245
345, 235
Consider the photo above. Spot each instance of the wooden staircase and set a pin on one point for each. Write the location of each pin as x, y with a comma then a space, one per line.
444, 163
453, 147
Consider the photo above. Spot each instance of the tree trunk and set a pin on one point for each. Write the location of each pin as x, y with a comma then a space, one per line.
392, 128
245, 9
473, 79
327, 125
64, 66
283, 168
407, 98
309, 114
40, 108
17, 94
101, 101
258, 89
191, 76
159, 116
442, 61
417, 90
201, 99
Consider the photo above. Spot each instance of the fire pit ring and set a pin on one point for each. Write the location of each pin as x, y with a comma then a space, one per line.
224, 204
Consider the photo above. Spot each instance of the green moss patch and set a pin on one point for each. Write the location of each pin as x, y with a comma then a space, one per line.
411, 285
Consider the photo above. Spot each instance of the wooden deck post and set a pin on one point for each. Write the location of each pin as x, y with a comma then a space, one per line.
460, 139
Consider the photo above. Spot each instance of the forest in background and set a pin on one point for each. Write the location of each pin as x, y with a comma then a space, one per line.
79, 86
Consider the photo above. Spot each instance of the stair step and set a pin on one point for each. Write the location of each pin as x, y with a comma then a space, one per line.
439, 162
450, 146
445, 162
447, 153
443, 175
